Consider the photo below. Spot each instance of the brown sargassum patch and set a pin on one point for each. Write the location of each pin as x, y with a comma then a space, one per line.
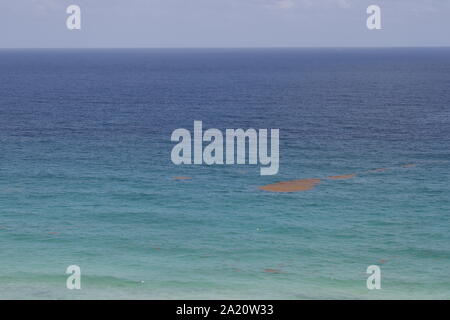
292, 185
272, 271
377, 170
343, 176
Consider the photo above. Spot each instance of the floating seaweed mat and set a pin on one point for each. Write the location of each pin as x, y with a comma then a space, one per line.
292, 185
343, 177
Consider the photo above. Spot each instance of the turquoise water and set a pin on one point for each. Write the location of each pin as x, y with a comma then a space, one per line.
86, 176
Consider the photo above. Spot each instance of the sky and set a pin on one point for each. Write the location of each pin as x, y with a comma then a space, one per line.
223, 23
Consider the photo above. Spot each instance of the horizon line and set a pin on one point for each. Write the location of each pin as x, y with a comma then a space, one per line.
222, 47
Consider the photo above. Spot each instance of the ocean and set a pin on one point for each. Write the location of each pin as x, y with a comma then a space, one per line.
86, 176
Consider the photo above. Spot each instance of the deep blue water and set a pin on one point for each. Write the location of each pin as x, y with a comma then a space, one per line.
86, 176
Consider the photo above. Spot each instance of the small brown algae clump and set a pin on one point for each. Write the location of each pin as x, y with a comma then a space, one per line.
343, 177
272, 271
292, 185
377, 170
